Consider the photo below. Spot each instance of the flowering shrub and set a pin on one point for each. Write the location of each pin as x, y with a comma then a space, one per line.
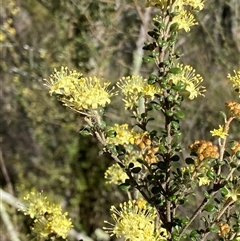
49, 221
147, 161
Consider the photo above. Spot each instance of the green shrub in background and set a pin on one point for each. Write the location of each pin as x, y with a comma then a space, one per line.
148, 165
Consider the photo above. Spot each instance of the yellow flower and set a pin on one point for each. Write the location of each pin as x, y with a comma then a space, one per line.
234, 193
190, 79
135, 221
235, 80
204, 181
134, 87
48, 217
219, 132
185, 20
38, 205
115, 174
123, 135
197, 173
78, 92
195, 4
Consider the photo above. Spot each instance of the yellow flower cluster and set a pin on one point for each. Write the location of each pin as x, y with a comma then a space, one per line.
195, 4
182, 8
115, 174
204, 150
185, 20
198, 173
134, 87
219, 132
123, 135
235, 80
148, 149
78, 92
48, 217
135, 221
199, 169
191, 81
234, 109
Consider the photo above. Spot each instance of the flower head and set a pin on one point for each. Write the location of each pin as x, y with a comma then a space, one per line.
190, 79
224, 229
133, 88
235, 147
233, 193
148, 149
78, 92
185, 20
220, 132
48, 217
204, 181
234, 109
123, 135
198, 172
135, 221
204, 150
115, 174
195, 4
235, 80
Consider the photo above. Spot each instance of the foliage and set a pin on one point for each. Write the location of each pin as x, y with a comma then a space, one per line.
43, 151
164, 186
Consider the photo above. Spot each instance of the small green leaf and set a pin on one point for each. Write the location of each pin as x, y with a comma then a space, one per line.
206, 194
180, 115
211, 174
130, 165
172, 198
85, 132
209, 208
189, 161
162, 148
155, 190
102, 125
111, 133
238, 154
153, 34
148, 59
150, 46
174, 27
175, 70
157, 106
170, 98
162, 43
194, 234
180, 85
175, 158
162, 165
136, 170
124, 186
175, 124
152, 79
224, 115
224, 191
169, 113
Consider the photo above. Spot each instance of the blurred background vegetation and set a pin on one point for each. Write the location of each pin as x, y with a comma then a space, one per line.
40, 145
